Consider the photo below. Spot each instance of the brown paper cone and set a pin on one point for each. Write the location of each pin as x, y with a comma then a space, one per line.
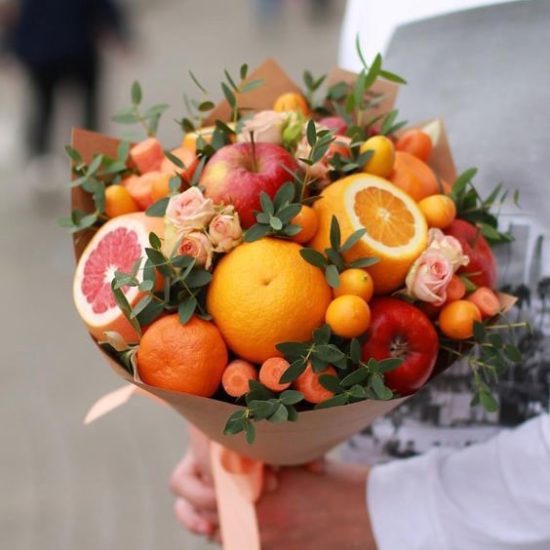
316, 432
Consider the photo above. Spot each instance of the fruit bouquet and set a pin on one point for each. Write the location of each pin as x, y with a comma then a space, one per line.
298, 266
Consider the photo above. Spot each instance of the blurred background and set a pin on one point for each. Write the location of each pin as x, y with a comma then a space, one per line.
63, 485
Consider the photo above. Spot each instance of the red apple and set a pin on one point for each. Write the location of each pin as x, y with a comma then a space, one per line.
483, 265
237, 174
335, 123
399, 329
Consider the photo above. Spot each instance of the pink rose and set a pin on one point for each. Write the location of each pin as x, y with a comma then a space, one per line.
225, 230
267, 127
198, 246
429, 277
449, 247
190, 210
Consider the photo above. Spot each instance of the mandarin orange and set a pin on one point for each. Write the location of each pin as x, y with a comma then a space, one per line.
188, 358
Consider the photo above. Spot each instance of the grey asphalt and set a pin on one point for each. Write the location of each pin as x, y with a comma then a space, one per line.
64, 486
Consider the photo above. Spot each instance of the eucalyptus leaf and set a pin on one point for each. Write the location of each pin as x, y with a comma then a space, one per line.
186, 309
158, 209
336, 401
313, 257
280, 414
291, 397
136, 93
295, 369
332, 276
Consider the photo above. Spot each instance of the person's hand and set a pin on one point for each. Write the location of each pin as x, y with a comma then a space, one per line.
323, 510
191, 482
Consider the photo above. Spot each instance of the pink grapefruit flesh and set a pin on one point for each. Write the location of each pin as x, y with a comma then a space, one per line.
115, 247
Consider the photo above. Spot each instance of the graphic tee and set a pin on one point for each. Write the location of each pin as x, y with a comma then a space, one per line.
486, 71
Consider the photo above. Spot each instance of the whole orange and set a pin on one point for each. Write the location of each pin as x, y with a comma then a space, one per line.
307, 220
414, 176
264, 293
439, 210
357, 282
118, 201
291, 101
457, 319
187, 358
348, 316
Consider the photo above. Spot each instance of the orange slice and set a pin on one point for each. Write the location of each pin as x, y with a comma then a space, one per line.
396, 230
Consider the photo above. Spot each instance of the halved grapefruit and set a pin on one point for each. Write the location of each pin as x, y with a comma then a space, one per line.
115, 247
396, 230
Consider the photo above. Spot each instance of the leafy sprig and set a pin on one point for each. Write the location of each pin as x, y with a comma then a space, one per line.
489, 359
148, 119
231, 90
276, 215
333, 262
262, 404
358, 380
94, 178
183, 288
312, 85
478, 211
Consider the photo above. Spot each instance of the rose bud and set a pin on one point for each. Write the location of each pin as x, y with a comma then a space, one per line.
197, 245
225, 230
429, 277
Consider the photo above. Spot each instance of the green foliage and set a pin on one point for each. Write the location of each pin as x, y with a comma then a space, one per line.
183, 291
93, 179
148, 119
276, 215
472, 208
334, 262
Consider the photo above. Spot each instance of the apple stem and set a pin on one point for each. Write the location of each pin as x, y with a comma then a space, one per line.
254, 160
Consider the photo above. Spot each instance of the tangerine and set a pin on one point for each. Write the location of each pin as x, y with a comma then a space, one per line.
356, 282
118, 201
291, 101
188, 358
160, 187
307, 220
457, 319
383, 156
439, 210
348, 316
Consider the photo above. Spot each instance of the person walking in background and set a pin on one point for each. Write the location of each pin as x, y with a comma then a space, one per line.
57, 42
472, 485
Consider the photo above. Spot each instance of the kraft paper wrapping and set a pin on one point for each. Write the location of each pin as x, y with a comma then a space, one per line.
316, 432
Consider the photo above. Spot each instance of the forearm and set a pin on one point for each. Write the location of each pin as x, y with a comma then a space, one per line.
490, 496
